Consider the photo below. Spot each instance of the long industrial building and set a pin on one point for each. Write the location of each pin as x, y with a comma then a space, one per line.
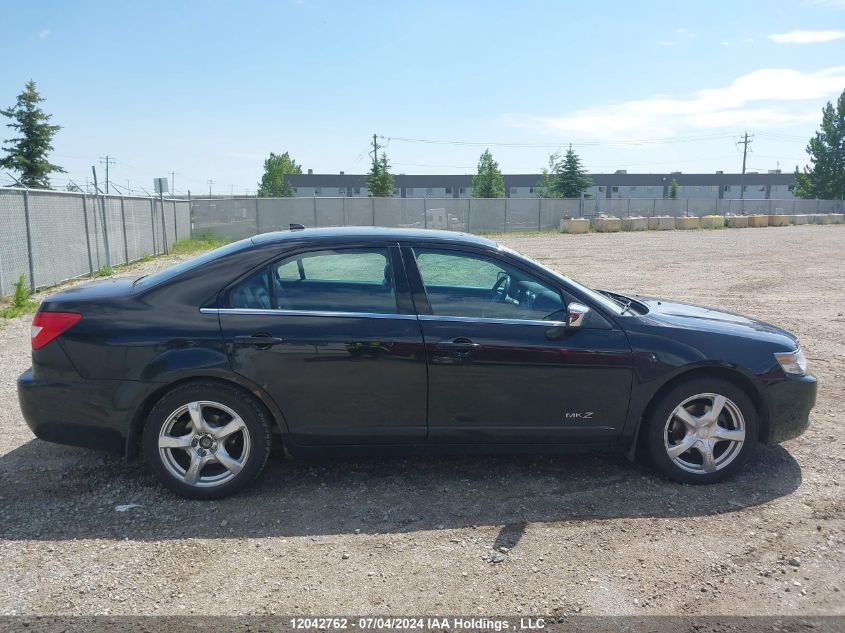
771, 185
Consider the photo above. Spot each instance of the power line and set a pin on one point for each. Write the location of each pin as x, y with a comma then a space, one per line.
581, 143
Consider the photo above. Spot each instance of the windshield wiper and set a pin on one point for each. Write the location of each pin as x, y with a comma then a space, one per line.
626, 305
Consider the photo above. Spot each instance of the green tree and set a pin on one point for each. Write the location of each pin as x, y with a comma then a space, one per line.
274, 182
673, 189
826, 177
380, 180
27, 153
548, 186
488, 182
564, 178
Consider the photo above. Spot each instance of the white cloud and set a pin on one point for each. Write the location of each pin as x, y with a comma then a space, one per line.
806, 37
43, 34
769, 97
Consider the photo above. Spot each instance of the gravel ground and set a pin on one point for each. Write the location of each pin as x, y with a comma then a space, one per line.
588, 534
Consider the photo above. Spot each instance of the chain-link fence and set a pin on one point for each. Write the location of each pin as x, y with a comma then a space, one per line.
236, 218
52, 236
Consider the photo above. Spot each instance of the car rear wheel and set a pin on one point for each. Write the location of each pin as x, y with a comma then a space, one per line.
702, 431
206, 440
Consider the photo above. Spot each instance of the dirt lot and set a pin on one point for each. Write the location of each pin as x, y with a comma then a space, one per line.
586, 534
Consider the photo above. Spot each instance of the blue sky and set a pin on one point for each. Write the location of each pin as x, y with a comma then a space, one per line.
208, 89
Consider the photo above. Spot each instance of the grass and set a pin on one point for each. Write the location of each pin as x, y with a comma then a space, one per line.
105, 271
21, 302
204, 242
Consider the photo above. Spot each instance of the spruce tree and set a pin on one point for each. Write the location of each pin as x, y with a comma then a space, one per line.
27, 153
826, 177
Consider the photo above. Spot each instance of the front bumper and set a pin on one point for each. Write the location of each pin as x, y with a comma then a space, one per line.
89, 413
790, 403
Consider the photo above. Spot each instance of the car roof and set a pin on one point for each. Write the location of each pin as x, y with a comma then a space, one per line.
373, 233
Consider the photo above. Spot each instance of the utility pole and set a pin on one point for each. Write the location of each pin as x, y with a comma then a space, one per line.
375, 152
210, 182
173, 184
107, 160
745, 142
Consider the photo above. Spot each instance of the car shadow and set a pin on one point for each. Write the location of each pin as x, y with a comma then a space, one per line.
51, 492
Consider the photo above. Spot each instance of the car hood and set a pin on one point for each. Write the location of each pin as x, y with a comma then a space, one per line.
686, 315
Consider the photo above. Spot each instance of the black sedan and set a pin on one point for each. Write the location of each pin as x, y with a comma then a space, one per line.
397, 341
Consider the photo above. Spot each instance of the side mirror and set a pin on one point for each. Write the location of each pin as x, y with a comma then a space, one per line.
578, 315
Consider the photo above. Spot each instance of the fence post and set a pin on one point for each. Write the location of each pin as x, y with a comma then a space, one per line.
153, 224
175, 224
191, 214
373, 200
106, 233
505, 221
29, 240
257, 221
87, 233
123, 221
539, 216
163, 223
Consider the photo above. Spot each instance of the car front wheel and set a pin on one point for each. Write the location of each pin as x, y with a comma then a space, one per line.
702, 431
206, 440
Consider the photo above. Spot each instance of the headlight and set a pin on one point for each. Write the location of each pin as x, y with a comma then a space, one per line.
792, 362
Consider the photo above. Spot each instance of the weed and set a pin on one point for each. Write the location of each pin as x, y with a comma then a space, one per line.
203, 242
21, 303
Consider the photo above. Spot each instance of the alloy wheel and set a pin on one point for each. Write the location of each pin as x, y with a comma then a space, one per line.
704, 433
204, 444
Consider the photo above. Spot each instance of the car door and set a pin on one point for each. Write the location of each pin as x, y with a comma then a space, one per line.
330, 334
502, 366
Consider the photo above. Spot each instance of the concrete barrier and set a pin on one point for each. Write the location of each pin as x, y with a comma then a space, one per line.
837, 218
661, 223
822, 218
608, 225
778, 220
634, 224
712, 222
756, 221
575, 225
737, 221
686, 223
800, 218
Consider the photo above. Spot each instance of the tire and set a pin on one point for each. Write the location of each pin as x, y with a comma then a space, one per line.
227, 453
679, 441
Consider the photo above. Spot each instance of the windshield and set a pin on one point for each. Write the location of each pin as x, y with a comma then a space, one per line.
148, 281
595, 295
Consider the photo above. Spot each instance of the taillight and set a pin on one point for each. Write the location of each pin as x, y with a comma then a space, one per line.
48, 325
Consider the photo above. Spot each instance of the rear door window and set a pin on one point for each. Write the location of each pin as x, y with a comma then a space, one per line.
332, 280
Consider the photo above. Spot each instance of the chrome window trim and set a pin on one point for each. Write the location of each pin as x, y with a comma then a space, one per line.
311, 313
380, 315
460, 319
